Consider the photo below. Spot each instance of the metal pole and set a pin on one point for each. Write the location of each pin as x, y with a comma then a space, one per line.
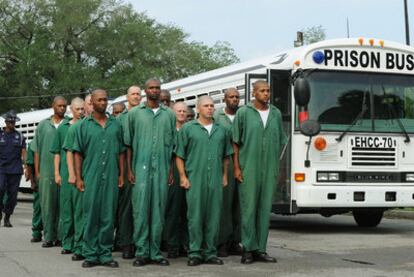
347, 27
407, 29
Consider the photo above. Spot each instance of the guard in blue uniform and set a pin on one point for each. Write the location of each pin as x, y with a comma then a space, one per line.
12, 153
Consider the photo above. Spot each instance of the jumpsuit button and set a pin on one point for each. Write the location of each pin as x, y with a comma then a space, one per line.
103, 163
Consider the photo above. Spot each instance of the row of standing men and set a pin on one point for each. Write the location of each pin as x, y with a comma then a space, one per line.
198, 185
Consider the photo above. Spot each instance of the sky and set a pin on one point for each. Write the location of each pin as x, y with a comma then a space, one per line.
257, 28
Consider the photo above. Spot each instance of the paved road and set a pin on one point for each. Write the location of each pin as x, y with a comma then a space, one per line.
305, 245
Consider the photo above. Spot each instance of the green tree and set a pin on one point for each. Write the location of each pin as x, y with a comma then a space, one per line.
313, 34
55, 47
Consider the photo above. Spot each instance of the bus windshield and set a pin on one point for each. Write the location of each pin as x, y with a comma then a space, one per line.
338, 99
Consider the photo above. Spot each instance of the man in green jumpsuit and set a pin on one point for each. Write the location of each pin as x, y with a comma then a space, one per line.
150, 139
257, 137
229, 235
37, 226
62, 177
175, 228
45, 173
76, 196
124, 220
99, 165
202, 152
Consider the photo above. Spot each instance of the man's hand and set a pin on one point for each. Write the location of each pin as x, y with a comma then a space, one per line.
225, 180
238, 174
131, 177
33, 185
120, 181
80, 185
58, 180
72, 179
185, 183
171, 178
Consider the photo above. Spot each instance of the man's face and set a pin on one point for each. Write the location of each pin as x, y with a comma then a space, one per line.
134, 97
77, 110
262, 93
206, 108
10, 124
59, 107
190, 114
232, 99
165, 99
117, 109
180, 112
88, 108
100, 101
153, 90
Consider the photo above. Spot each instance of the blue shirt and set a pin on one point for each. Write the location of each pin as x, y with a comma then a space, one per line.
11, 145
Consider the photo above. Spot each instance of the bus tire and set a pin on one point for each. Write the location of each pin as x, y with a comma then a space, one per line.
368, 218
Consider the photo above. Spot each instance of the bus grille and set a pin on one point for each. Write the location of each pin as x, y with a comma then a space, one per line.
375, 157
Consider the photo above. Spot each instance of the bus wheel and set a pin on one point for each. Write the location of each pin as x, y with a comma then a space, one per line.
368, 218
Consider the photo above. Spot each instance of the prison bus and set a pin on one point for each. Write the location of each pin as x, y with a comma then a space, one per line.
348, 110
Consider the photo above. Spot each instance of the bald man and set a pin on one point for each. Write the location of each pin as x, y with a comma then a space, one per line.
165, 97
229, 236
256, 167
118, 108
175, 228
202, 152
45, 171
62, 177
99, 163
124, 220
88, 105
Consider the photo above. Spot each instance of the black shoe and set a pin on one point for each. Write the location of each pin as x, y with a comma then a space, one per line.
47, 244
77, 257
222, 251
247, 258
235, 249
162, 262
1, 216
214, 261
57, 243
139, 261
128, 252
194, 261
173, 253
65, 252
7, 221
263, 257
112, 264
34, 239
88, 264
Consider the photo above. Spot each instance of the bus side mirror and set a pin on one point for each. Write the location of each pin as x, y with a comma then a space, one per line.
301, 91
310, 128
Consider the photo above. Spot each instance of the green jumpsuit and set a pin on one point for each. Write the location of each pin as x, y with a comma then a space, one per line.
230, 213
151, 137
48, 189
100, 148
75, 198
259, 148
37, 226
175, 227
65, 216
124, 221
203, 155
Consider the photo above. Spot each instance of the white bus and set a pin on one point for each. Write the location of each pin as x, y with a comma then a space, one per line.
360, 93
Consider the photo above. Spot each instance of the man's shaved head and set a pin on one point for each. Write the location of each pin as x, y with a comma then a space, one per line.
203, 99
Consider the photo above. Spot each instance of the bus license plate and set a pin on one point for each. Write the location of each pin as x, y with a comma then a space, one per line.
373, 142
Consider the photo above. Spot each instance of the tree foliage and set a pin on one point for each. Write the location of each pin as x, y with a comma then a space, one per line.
54, 47
313, 34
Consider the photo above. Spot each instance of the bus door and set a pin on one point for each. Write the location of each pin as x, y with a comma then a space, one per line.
250, 78
280, 88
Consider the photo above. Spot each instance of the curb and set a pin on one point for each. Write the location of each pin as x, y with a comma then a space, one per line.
401, 214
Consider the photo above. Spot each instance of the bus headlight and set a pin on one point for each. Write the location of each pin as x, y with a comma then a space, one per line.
409, 177
333, 176
328, 177
322, 176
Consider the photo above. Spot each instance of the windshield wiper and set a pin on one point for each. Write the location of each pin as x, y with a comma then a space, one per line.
391, 107
358, 117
